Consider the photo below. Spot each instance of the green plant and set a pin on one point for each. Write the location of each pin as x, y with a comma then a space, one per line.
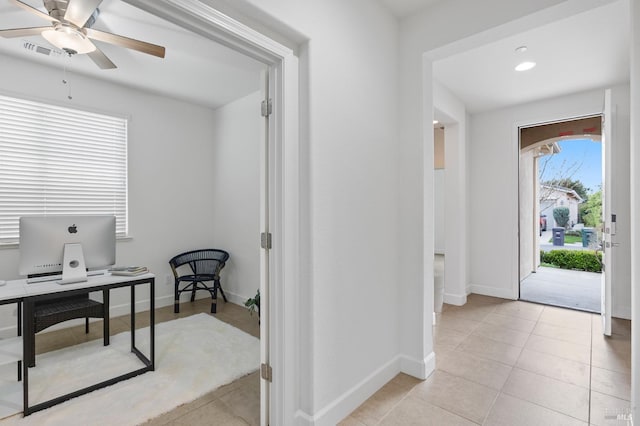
573, 233
582, 260
253, 303
591, 210
569, 239
561, 215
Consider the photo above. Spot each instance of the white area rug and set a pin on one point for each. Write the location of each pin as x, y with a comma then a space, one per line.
194, 355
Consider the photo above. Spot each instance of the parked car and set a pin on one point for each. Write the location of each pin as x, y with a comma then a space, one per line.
543, 222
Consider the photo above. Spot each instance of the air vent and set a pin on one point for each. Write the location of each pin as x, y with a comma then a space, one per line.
43, 50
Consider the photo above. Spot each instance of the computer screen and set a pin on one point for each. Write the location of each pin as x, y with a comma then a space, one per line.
43, 240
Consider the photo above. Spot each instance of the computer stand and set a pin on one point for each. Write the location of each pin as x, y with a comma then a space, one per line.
73, 266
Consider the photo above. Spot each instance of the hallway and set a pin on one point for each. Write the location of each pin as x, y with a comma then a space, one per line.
503, 362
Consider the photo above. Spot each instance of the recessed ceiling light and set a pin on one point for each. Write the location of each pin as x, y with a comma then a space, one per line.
525, 66
521, 49
435, 121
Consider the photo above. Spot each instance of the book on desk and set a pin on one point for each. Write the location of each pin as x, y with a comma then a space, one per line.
128, 271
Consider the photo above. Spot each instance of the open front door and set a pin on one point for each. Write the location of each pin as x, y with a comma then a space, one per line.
609, 217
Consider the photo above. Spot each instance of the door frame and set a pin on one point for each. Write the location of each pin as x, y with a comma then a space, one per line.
517, 126
536, 207
284, 193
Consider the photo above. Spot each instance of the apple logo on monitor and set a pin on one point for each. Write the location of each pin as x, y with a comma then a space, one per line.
73, 229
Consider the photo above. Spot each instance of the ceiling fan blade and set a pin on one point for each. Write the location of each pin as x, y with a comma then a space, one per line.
129, 43
79, 11
101, 60
22, 32
34, 10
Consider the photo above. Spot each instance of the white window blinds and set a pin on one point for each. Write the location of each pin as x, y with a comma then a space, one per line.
58, 160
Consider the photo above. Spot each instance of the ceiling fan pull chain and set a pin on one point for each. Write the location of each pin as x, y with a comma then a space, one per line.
65, 81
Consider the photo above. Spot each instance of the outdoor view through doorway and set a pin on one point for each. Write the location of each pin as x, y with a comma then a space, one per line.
561, 214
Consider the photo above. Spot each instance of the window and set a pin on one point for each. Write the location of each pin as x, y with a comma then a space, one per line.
59, 160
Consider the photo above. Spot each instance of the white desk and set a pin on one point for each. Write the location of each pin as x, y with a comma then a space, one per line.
20, 292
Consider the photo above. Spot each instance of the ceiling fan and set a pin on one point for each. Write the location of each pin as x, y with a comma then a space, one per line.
71, 30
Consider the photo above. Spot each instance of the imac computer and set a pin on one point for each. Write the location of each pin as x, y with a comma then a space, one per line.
67, 244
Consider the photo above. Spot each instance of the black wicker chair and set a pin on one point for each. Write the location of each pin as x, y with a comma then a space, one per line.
204, 266
53, 311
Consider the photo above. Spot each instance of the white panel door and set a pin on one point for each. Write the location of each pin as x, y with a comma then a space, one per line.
265, 222
608, 220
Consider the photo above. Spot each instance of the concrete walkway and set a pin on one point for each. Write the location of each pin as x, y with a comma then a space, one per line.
561, 287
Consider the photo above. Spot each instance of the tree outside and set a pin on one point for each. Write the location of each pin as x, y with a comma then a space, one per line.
591, 210
576, 167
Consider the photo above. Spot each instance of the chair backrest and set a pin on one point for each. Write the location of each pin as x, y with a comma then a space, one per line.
204, 261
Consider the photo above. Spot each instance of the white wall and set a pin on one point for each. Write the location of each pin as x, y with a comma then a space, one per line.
170, 169
439, 216
349, 305
235, 189
494, 190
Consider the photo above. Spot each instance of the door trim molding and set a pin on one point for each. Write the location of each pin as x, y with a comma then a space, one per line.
205, 20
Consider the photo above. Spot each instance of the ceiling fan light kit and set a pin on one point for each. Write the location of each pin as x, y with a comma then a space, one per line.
70, 39
71, 31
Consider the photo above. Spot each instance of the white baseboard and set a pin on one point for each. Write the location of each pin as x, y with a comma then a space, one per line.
236, 298
340, 408
420, 369
455, 299
344, 405
503, 293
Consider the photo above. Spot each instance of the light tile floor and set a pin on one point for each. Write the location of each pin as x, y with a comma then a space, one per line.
237, 403
512, 363
498, 363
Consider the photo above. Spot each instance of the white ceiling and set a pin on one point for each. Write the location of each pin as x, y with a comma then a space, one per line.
194, 69
402, 8
586, 51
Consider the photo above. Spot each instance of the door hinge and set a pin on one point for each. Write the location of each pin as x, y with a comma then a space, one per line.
266, 372
265, 240
266, 107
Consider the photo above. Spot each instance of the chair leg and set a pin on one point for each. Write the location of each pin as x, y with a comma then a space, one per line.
214, 300
219, 286
176, 299
193, 290
86, 325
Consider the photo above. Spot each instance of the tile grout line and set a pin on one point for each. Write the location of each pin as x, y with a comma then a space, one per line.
549, 408
406, 395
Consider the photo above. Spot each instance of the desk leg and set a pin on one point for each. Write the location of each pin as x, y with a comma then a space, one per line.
133, 317
27, 351
152, 321
19, 316
107, 317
